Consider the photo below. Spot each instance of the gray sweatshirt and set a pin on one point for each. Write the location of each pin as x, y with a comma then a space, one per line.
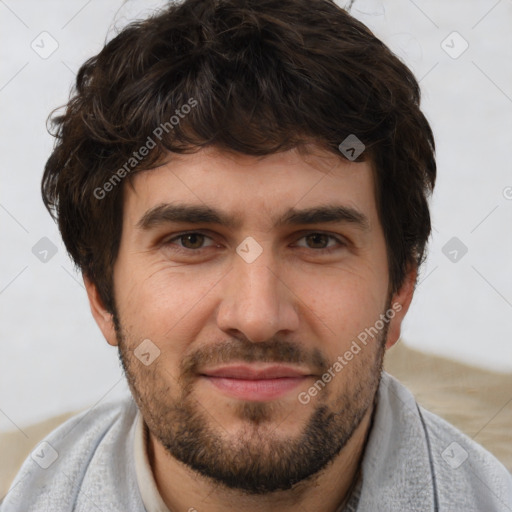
414, 461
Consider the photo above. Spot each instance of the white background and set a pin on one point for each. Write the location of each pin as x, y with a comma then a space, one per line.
53, 357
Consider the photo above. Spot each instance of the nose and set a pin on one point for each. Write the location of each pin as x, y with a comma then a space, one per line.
256, 301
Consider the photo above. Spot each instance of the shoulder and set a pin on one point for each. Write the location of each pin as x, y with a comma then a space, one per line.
72, 457
466, 474
463, 464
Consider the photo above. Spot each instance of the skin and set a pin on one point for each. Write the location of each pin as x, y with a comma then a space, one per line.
295, 304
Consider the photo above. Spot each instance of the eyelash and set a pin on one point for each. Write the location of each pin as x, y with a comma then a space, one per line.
328, 250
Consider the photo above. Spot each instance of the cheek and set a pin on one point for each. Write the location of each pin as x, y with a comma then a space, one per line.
341, 302
171, 306
166, 304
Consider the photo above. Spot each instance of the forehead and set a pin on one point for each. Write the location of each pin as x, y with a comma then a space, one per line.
253, 190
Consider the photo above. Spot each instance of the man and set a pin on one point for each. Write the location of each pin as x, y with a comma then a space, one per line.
244, 184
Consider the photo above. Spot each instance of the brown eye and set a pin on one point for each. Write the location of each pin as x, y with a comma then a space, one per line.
188, 243
323, 243
192, 240
318, 240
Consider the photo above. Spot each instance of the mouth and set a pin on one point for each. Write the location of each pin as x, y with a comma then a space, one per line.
256, 383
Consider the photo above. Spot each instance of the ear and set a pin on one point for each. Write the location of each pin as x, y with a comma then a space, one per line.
400, 303
103, 317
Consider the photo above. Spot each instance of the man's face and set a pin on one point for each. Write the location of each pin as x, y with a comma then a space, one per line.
221, 309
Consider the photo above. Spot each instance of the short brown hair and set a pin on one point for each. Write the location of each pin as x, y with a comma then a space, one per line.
266, 76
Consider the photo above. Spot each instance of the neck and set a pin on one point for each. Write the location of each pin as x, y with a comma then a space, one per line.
329, 490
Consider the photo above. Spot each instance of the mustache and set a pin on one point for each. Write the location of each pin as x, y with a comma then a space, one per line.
241, 349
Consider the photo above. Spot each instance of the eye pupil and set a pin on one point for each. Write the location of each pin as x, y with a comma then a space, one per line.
193, 236
195, 241
318, 238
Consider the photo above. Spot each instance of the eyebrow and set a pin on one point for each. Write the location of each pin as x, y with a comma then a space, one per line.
202, 214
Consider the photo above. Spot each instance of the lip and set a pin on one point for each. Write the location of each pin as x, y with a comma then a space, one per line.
253, 372
255, 383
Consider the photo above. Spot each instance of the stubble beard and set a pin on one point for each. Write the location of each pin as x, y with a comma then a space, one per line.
256, 460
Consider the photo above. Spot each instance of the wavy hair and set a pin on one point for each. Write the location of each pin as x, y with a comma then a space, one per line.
266, 76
